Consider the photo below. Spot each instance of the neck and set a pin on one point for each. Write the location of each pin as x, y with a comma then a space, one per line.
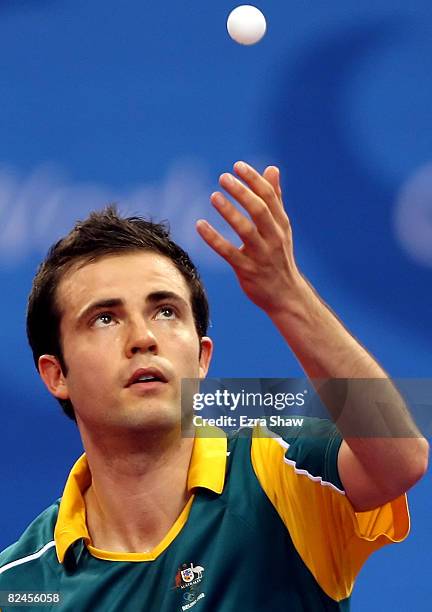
139, 488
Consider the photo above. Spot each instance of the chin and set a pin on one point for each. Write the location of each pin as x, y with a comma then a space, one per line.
152, 421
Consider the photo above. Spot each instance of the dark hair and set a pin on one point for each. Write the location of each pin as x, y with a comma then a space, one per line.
103, 233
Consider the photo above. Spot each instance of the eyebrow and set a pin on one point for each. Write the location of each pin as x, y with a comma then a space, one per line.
153, 298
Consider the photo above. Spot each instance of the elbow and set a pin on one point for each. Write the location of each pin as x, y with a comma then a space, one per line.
424, 462
419, 464
411, 469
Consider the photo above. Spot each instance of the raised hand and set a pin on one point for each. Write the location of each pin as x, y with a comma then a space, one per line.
264, 264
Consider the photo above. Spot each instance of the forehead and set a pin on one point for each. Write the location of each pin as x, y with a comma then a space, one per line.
129, 276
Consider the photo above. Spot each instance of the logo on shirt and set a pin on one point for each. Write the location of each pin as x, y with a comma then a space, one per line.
186, 580
188, 575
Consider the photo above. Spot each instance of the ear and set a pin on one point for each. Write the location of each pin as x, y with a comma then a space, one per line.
206, 355
52, 375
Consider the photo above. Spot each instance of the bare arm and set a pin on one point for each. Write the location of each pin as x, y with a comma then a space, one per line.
373, 469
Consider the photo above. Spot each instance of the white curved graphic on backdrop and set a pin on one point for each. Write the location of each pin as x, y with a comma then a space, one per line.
413, 216
37, 210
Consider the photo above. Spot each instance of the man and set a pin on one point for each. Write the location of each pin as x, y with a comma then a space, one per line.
153, 520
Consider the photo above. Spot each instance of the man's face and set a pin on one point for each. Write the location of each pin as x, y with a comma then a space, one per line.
149, 325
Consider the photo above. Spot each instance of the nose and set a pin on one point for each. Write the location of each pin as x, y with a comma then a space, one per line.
141, 339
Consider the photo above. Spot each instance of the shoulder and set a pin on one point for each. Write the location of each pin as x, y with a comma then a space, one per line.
298, 470
308, 447
35, 541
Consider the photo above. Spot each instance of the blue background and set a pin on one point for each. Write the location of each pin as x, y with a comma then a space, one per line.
146, 104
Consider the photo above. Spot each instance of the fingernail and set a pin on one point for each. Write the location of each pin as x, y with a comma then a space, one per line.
217, 198
241, 167
227, 178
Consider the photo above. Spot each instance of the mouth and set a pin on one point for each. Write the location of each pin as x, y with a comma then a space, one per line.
147, 378
147, 386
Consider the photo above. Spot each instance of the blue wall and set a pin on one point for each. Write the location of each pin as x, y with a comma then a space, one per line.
146, 104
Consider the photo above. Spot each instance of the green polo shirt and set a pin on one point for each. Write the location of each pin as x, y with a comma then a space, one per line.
267, 527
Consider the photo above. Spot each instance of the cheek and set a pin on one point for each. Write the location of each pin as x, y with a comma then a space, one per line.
183, 340
90, 362
92, 346
90, 381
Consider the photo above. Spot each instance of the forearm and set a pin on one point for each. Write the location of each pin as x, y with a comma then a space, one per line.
321, 343
362, 400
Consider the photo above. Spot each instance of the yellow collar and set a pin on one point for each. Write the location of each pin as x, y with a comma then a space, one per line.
206, 469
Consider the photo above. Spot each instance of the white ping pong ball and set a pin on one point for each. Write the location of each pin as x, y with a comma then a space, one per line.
246, 24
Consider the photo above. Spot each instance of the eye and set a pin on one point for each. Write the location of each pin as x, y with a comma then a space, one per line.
103, 316
166, 312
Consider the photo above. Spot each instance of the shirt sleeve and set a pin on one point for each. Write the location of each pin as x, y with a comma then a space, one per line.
297, 468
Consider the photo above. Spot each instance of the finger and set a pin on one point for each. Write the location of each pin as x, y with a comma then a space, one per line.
272, 175
243, 227
264, 189
218, 243
252, 203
